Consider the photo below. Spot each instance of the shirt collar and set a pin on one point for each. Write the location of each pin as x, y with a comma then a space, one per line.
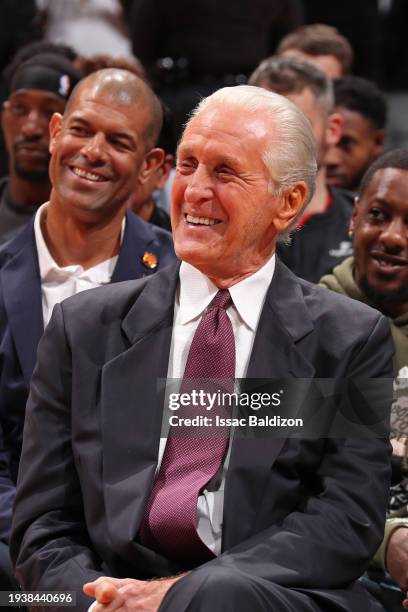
45, 260
51, 271
197, 291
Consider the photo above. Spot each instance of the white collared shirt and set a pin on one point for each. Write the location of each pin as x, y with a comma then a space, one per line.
195, 293
60, 283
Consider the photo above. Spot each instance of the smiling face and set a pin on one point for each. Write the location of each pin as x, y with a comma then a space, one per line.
25, 119
380, 226
98, 154
225, 219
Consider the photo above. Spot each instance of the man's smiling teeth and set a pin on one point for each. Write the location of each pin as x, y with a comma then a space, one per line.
201, 220
88, 175
386, 262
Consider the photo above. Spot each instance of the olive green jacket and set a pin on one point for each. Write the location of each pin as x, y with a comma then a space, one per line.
342, 281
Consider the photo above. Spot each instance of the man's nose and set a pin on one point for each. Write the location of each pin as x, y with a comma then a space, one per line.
395, 236
95, 148
200, 186
34, 125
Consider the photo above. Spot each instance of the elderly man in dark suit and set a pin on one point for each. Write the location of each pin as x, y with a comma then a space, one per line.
149, 519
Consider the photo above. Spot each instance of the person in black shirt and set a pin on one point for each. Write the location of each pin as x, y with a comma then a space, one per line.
145, 199
364, 110
39, 87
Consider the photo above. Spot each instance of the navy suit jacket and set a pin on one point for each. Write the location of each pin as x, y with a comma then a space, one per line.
304, 513
21, 327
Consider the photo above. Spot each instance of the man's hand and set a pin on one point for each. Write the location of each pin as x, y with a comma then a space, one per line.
128, 594
399, 446
397, 559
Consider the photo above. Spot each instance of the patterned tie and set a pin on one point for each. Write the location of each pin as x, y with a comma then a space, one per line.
191, 459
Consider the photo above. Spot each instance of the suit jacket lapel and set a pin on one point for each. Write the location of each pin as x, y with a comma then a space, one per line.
21, 284
131, 386
284, 321
21, 287
137, 241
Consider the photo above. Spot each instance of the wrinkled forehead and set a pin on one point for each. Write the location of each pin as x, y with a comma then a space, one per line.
100, 105
231, 127
115, 90
112, 88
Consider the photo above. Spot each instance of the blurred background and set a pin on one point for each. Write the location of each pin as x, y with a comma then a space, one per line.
185, 46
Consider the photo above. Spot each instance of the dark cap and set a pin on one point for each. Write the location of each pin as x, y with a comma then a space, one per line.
47, 71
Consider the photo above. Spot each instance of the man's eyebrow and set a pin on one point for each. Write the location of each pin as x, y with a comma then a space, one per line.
347, 138
121, 135
377, 199
228, 160
74, 117
184, 150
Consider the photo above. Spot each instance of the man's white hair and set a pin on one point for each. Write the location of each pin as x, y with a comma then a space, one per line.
290, 156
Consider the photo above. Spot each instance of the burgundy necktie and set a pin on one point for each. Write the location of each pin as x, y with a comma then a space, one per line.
192, 458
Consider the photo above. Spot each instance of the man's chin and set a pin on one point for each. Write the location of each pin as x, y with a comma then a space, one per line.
395, 293
193, 258
189, 250
35, 174
197, 257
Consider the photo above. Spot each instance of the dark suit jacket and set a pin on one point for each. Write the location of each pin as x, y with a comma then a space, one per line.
301, 512
21, 327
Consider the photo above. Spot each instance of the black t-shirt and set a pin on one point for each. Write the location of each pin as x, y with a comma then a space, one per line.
214, 37
12, 214
160, 218
322, 242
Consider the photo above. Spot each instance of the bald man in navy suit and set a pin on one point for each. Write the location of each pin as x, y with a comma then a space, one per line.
82, 238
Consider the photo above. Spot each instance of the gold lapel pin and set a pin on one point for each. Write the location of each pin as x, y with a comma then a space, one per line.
150, 260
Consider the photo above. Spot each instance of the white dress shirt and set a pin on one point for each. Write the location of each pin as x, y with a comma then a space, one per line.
195, 293
60, 283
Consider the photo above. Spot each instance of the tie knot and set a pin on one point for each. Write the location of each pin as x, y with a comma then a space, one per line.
221, 300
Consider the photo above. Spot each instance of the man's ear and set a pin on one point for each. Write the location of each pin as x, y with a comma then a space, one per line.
291, 203
334, 129
54, 128
165, 171
152, 161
